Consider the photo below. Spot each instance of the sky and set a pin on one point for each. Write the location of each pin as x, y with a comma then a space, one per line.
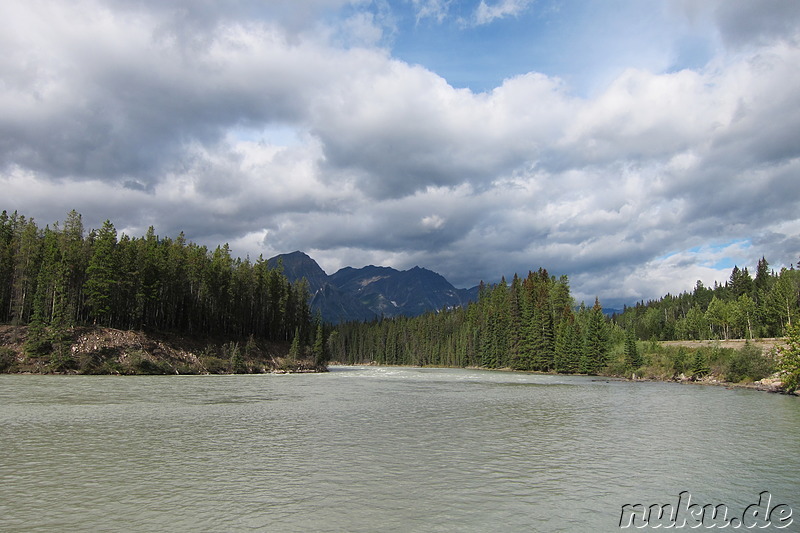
636, 147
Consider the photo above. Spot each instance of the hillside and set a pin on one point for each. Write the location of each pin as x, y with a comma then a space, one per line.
95, 350
358, 294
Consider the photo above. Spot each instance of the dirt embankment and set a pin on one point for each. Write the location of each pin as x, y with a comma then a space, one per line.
765, 344
95, 350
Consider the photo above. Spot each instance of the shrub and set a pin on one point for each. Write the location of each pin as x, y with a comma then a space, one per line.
8, 359
748, 364
139, 362
789, 360
235, 359
213, 364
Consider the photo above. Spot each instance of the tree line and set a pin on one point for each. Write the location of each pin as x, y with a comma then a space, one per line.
58, 277
529, 324
745, 306
534, 324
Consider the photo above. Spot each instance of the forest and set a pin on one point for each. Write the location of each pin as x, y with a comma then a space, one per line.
58, 277
745, 307
55, 278
534, 324
529, 324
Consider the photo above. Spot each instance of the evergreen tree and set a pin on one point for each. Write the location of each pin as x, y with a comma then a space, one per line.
632, 358
294, 350
700, 366
27, 251
319, 346
6, 265
596, 347
100, 274
789, 360
740, 282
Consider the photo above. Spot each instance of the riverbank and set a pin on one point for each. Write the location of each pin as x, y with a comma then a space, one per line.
97, 350
770, 384
658, 373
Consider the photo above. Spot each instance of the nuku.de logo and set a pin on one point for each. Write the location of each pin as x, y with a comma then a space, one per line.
692, 515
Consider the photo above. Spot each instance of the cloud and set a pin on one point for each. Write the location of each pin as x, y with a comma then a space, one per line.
277, 129
742, 23
433, 9
488, 13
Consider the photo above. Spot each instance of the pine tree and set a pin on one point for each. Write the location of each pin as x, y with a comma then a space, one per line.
319, 347
700, 364
596, 341
100, 274
632, 358
789, 360
294, 349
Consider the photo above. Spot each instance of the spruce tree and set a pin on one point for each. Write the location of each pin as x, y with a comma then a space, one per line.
294, 349
700, 366
100, 274
319, 347
632, 358
596, 347
789, 360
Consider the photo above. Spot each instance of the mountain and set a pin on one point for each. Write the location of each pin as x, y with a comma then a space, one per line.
297, 266
336, 305
391, 292
372, 291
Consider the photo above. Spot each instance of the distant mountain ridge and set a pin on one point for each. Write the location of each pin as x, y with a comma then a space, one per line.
371, 291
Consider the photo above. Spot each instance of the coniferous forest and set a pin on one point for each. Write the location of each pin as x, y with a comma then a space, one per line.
55, 278
534, 324
58, 277
528, 324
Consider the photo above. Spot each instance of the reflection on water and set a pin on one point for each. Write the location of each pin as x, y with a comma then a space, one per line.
379, 449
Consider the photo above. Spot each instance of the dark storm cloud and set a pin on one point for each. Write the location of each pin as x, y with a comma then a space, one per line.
251, 123
745, 22
106, 110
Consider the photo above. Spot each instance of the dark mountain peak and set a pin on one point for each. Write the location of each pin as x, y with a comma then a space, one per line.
294, 258
298, 265
370, 291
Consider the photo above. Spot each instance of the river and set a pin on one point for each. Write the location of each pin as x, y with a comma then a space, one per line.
381, 449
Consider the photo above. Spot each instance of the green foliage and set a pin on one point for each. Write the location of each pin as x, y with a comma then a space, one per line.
743, 307
294, 350
251, 348
93, 363
700, 367
142, 363
8, 359
61, 358
748, 364
681, 361
38, 342
530, 324
596, 351
54, 279
318, 350
101, 274
789, 359
235, 359
212, 364
632, 358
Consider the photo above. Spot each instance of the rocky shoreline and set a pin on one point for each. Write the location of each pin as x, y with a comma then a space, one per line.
97, 350
770, 384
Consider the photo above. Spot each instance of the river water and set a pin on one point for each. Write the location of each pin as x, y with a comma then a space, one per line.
381, 449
